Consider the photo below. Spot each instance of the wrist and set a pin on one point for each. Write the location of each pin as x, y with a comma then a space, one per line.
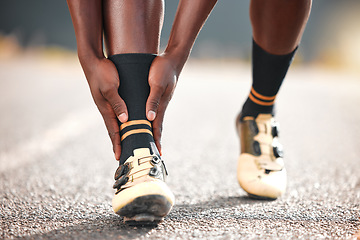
89, 61
178, 56
89, 55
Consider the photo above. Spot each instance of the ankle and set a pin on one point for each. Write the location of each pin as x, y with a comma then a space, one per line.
253, 109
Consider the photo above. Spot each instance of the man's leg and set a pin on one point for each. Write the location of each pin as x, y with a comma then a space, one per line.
133, 27
132, 34
277, 29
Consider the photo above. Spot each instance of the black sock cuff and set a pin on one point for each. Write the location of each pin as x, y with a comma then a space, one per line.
133, 69
134, 89
258, 49
128, 58
269, 70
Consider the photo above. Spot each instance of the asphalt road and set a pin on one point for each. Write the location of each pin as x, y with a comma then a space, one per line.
57, 166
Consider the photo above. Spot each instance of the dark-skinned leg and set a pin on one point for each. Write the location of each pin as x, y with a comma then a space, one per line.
132, 26
132, 35
277, 29
279, 24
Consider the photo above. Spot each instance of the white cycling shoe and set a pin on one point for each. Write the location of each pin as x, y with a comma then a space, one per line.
142, 196
261, 171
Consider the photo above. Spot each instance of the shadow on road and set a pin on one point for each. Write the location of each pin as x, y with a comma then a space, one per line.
108, 227
220, 202
112, 226
221, 207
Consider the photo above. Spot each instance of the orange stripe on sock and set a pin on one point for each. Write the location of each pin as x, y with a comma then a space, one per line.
262, 97
135, 131
134, 122
260, 102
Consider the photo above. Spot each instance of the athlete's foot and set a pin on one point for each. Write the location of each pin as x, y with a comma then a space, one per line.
142, 196
261, 172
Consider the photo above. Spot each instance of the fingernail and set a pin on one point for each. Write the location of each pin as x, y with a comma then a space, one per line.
122, 117
151, 115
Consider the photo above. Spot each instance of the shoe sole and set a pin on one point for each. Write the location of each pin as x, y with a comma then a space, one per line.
261, 197
146, 210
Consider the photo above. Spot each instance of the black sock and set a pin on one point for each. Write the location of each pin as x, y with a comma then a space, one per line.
269, 71
134, 89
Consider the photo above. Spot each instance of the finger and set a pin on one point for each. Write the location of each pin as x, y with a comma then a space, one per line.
113, 128
115, 139
158, 122
153, 101
117, 103
157, 131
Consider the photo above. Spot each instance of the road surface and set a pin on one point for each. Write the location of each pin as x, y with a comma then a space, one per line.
57, 166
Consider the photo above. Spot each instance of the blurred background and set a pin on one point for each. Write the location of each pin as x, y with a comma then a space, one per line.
331, 37
38, 65
56, 160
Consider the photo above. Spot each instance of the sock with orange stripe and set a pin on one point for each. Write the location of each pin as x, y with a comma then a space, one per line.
134, 89
269, 71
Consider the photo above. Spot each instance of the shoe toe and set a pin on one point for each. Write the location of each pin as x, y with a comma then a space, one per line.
156, 189
258, 182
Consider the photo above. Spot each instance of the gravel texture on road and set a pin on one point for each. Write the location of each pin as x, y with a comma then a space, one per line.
57, 166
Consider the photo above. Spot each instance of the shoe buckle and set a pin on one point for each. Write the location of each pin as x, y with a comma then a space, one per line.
155, 160
154, 171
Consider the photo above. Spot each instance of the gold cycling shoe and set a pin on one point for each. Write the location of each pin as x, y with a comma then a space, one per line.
142, 196
261, 171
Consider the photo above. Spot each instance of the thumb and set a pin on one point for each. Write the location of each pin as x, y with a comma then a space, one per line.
153, 101
117, 104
